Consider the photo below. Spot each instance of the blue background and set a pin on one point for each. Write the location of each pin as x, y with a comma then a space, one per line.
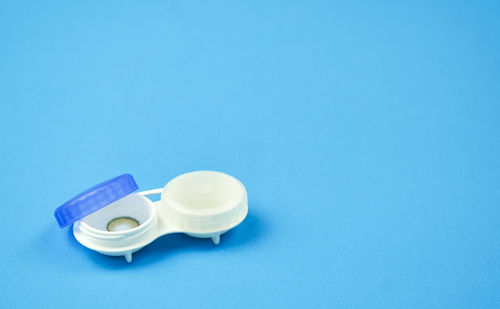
367, 136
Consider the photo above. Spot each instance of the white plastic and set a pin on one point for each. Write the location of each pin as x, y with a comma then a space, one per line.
202, 204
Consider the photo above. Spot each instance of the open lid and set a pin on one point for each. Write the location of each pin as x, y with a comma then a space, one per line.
94, 199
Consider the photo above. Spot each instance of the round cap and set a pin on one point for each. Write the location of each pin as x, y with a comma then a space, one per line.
204, 201
94, 199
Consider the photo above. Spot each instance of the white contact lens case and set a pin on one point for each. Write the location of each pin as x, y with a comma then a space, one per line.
112, 220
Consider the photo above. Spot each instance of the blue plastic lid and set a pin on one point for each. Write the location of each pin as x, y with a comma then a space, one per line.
94, 199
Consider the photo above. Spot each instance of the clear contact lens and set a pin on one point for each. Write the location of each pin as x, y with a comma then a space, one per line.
122, 224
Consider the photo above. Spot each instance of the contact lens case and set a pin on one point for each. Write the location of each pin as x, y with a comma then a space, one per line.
113, 220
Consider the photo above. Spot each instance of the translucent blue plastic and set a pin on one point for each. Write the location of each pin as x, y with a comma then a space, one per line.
94, 199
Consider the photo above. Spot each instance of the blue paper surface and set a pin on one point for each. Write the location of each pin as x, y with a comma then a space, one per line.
367, 136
